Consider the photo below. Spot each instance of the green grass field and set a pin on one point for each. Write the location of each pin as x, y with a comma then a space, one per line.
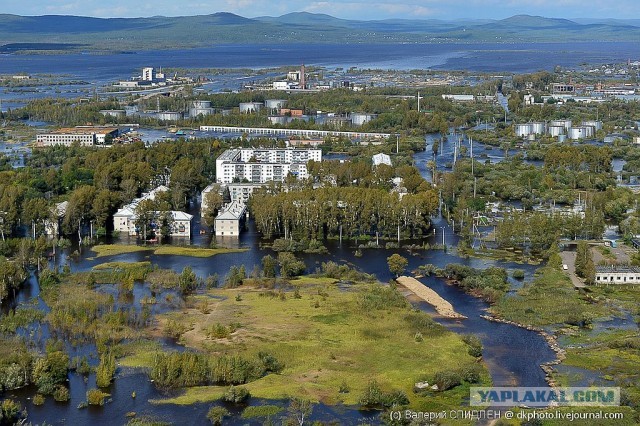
115, 249
325, 338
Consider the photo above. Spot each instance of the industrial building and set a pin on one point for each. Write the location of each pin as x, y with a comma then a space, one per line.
617, 275
358, 119
264, 165
125, 218
249, 107
86, 136
559, 129
200, 108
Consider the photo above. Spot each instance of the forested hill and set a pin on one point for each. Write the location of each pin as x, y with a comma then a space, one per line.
23, 33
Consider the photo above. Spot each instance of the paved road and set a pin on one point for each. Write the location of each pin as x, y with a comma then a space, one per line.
569, 259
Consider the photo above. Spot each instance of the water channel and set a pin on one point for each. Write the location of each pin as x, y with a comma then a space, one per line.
512, 354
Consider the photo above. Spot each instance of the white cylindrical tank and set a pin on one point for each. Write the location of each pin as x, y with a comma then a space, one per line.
562, 138
358, 119
589, 131
556, 131
275, 103
249, 107
597, 125
201, 104
523, 130
576, 133
278, 119
565, 123
169, 116
113, 112
538, 127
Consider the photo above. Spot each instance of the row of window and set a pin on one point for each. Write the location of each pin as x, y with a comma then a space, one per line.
618, 278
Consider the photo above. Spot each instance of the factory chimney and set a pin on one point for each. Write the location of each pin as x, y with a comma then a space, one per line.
302, 78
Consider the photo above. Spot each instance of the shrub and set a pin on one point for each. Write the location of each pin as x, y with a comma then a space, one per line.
236, 395
372, 395
471, 373
475, 345
447, 380
10, 411
270, 362
217, 414
105, 370
96, 397
38, 399
518, 274
61, 394
394, 398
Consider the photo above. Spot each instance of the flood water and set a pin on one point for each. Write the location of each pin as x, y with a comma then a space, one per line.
512, 354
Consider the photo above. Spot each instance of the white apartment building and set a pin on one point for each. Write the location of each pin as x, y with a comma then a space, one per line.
124, 220
86, 136
230, 221
148, 74
264, 165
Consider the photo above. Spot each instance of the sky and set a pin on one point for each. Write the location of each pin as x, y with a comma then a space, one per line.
348, 9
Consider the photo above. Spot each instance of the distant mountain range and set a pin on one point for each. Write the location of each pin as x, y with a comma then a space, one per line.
24, 33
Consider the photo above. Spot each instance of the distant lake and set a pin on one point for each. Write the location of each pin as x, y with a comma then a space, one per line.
479, 57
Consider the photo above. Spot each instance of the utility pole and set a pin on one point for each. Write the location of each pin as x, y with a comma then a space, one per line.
397, 143
418, 101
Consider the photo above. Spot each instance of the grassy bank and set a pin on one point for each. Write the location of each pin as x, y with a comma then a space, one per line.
609, 355
115, 249
550, 299
332, 342
194, 251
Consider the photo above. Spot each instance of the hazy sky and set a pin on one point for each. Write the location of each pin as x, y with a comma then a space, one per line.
350, 9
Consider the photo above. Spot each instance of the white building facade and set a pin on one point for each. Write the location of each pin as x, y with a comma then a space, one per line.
124, 220
617, 275
264, 165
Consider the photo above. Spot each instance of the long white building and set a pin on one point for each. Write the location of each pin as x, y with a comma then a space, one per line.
85, 136
264, 165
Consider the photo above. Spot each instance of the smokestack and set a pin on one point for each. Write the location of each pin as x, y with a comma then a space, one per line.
302, 78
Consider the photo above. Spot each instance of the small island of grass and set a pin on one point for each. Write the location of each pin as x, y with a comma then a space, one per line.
116, 249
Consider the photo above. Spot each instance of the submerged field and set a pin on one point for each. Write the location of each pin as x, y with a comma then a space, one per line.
332, 339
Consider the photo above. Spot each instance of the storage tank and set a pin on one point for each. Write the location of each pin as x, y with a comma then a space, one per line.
200, 108
201, 104
556, 131
597, 125
523, 130
275, 103
576, 133
562, 138
564, 123
589, 131
113, 112
249, 107
358, 119
278, 119
169, 116
538, 127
